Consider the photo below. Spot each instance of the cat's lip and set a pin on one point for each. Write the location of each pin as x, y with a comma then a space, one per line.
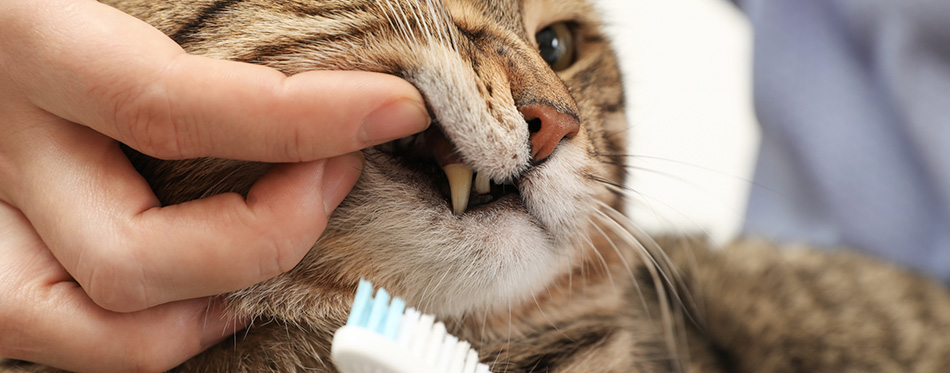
460, 183
431, 182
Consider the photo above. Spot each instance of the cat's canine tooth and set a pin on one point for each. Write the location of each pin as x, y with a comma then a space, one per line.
460, 183
482, 183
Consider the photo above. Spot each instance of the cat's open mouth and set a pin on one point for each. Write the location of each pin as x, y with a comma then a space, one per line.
434, 155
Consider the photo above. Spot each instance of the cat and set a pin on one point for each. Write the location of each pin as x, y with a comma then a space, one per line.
539, 270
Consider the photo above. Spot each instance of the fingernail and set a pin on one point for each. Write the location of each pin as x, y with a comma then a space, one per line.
394, 120
339, 175
218, 324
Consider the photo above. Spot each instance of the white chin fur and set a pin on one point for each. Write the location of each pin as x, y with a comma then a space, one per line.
485, 259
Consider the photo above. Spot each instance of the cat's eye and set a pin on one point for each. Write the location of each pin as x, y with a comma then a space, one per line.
556, 45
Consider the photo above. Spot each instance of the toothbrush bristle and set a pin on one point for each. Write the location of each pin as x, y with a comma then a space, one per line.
364, 299
422, 338
396, 309
380, 306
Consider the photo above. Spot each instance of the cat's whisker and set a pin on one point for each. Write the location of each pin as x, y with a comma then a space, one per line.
639, 238
636, 282
570, 273
684, 293
662, 284
686, 301
425, 291
507, 342
446, 36
648, 201
602, 261
389, 16
436, 26
673, 161
548, 320
674, 176
642, 236
428, 302
402, 23
415, 10
653, 171
624, 131
481, 332
627, 266
613, 246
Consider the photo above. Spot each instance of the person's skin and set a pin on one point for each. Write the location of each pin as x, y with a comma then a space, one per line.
94, 274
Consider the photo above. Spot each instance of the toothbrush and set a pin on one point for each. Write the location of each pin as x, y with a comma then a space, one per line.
382, 337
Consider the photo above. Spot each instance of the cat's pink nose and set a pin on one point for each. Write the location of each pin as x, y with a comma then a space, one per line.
548, 127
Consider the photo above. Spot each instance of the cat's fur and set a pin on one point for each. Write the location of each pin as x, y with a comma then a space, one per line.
551, 279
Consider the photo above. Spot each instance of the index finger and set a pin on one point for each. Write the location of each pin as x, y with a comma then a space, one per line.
94, 65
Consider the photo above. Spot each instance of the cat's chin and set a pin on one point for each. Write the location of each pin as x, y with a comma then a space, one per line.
401, 232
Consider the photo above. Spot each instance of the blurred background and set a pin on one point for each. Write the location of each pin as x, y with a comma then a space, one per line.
693, 136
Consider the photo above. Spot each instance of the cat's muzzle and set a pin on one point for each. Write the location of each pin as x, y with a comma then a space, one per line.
432, 153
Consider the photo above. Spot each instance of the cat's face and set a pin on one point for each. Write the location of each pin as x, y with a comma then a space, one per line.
526, 94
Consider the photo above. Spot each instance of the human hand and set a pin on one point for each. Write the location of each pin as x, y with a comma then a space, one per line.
95, 274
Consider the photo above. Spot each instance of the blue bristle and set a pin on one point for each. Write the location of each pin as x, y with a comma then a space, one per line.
380, 308
376, 313
421, 334
393, 318
359, 315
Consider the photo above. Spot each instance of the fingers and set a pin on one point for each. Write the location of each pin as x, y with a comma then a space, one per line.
223, 243
137, 254
93, 65
125, 79
47, 318
83, 62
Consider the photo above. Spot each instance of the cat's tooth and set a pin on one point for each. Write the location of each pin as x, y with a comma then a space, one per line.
460, 183
482, 183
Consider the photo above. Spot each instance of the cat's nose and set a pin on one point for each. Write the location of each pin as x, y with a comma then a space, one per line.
548, 127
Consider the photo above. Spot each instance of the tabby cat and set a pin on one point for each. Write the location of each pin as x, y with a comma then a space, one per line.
523, 250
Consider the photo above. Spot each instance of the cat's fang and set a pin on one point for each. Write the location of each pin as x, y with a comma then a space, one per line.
482, 183
460, 183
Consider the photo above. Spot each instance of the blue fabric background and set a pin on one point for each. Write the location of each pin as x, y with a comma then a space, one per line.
854, 101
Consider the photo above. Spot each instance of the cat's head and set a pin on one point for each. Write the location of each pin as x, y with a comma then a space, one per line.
525, 94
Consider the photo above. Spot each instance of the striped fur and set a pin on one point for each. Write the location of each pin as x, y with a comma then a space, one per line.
557, 282
475, 62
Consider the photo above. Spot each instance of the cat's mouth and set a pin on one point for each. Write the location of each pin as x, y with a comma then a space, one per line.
432, 154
